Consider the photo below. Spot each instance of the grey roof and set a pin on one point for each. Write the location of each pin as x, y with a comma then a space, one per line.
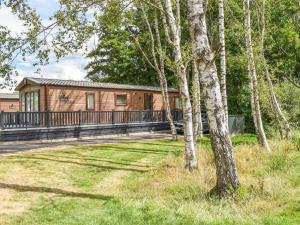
14, 95
74, 83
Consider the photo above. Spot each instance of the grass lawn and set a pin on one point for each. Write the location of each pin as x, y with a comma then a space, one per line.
145, 183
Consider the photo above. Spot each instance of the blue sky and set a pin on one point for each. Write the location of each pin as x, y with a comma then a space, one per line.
70, 67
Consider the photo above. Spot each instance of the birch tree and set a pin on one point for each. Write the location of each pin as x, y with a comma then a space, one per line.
282, 121
227, 179
222, 57
253, 86
158, 65
196, 96
190, 146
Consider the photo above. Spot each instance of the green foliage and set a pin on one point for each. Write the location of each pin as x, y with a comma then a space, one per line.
296, 140
116, 58
277, 162
282, 38
244, 139
236, 140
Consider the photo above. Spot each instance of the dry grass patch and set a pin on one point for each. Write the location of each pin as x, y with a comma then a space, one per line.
268, 188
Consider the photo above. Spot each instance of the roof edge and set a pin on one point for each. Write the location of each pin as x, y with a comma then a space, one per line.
24, 82
35, 81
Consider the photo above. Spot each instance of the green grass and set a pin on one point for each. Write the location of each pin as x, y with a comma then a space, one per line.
145, 183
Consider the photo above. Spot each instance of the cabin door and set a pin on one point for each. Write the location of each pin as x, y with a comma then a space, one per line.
148, 101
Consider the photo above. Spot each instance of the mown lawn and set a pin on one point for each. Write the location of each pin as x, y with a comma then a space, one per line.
145, 183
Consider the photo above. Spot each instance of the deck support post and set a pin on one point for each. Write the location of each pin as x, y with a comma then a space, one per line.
113, 116
79, 117
47, 119
1, 120
140, 116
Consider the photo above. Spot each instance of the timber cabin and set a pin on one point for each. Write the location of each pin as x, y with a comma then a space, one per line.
54, 95
9, 102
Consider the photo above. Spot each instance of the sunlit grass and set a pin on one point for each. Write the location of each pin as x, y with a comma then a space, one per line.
146, 183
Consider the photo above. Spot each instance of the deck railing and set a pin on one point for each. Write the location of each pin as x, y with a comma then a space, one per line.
13, 120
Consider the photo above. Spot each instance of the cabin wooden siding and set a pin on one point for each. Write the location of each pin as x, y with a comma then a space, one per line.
9, 105
74, 98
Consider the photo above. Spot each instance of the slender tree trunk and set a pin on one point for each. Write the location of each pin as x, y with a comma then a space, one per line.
255, 106
163, 80
222, 58
196, 95
190, 151
160, 69
275, 105
165, 95
227, 179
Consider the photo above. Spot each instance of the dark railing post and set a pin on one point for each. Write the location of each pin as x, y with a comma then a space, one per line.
140, 116
174, 115
47, 119
1, 120
79, 117
151, 113
112, 116
164, 115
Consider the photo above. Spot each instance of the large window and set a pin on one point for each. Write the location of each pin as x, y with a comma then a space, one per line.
177, 103
121, 99
90, 101
30, 101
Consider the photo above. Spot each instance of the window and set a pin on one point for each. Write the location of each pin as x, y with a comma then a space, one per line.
148, 101
23, 102
30, 101
90, 101
121, 99
177, 103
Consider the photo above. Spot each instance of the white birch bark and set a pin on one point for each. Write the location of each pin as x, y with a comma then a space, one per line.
160, 69
222, 57
162, 78
255, 106
283, 123
196, 95
190, 151
227, 179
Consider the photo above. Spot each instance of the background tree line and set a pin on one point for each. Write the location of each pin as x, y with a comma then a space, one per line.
118, 59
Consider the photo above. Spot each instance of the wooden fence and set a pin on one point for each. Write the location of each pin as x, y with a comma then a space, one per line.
13, 120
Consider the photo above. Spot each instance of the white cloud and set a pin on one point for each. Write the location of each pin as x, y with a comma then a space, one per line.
70, 67
11, 21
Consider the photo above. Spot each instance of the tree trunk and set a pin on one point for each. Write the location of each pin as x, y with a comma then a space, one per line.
196, 95
163, 79
275, 105
222, 58
160, 69
255, 106
227, 179
190, 151
165, 95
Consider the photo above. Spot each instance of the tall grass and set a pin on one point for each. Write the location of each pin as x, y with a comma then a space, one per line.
269, 192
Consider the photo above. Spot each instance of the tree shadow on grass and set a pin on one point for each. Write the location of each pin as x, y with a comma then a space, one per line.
81, 164
88, 158
133, 150
24, 188
165, 144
